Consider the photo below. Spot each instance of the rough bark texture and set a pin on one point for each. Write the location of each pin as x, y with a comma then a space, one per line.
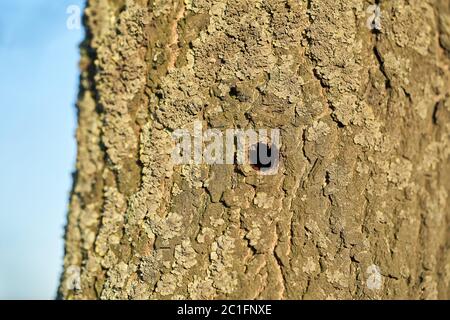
364, 178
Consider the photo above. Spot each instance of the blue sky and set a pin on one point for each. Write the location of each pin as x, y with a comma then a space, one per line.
38, 87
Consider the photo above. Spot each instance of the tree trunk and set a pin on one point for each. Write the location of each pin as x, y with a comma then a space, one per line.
359, 207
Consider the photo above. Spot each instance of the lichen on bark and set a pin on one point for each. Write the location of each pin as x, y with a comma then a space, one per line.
363, 184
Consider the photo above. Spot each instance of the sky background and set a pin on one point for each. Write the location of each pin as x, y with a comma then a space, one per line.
38, 88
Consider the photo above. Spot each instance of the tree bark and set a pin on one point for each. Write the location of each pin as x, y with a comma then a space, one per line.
359, 208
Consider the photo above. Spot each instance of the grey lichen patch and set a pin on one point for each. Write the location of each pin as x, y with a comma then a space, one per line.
184, 259
167, 284
149, 268
201, 289
263, 200
205, 235
110, 232
318, 130
121, 76
221, 268
412, 25
185, 255
254, 235
397, 68
240, 197
400, 172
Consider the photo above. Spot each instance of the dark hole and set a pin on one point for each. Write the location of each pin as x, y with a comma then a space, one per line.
234, 91
261, 163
